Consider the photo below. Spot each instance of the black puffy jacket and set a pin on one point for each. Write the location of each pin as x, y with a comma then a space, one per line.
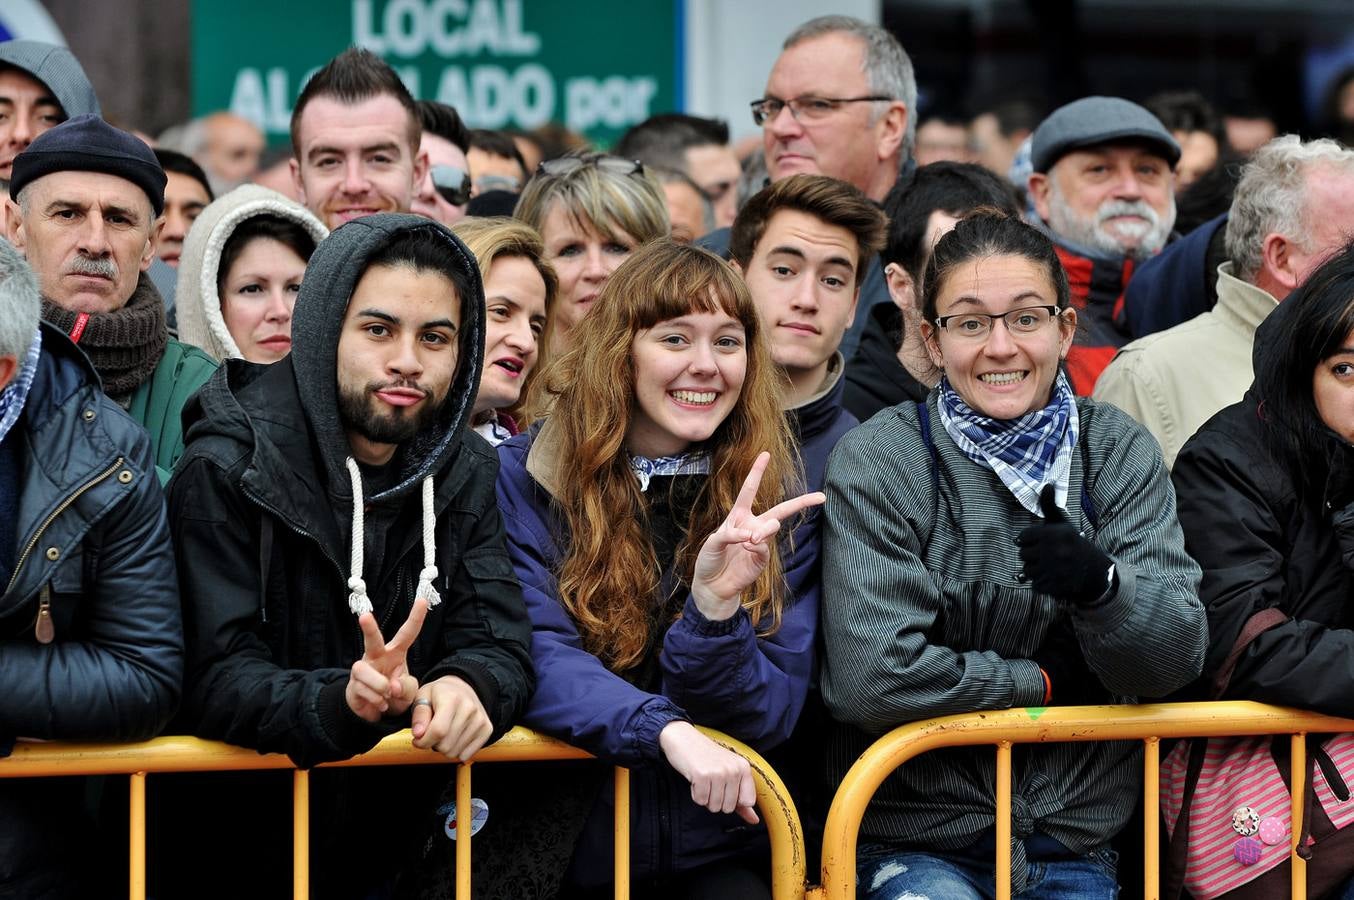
1264, 540
93, 544
1262, 544
93, 547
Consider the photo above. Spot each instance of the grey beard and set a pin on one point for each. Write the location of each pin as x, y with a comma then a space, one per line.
1065, 221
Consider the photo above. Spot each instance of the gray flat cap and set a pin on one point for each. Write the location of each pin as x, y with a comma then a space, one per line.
56, 67
1091, 121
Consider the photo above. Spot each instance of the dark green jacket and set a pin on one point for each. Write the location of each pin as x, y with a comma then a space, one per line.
158, 403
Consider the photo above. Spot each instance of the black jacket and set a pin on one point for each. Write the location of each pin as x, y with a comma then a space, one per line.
93, 543
875, 378
1262, 544
113, 668
262, 503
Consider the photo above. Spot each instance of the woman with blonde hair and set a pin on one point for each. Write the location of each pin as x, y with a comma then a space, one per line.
519, 292
659, 596
592, 210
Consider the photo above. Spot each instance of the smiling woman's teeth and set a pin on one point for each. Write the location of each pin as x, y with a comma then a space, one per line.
700, 397
1002, 377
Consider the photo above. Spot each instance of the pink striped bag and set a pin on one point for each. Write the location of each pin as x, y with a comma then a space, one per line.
1239, 815
1227, 808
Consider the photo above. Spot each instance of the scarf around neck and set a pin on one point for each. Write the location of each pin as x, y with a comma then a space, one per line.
693, 463
16, 392
124, 345
1025, 453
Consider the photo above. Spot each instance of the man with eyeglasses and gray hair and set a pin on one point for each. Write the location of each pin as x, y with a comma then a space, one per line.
840, 102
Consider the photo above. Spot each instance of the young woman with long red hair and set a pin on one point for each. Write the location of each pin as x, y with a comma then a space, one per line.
669, 580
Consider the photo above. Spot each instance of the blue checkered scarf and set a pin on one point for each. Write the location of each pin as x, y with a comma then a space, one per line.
696, 463
1026, 453
16, 392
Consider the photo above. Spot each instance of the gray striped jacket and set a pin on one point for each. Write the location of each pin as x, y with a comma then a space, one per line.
923, 616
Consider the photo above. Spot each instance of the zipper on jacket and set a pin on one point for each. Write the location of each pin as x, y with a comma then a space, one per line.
32, 542
43, 629
297, 530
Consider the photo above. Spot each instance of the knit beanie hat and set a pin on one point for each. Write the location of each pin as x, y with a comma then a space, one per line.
58, 69
89, 144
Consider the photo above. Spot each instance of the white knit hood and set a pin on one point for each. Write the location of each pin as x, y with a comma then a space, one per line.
197, 300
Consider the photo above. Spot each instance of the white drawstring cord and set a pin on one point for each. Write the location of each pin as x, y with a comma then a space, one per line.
358, 601
428, 574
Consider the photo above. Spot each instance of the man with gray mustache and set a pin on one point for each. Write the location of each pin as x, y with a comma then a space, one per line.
85, 209
1104, 188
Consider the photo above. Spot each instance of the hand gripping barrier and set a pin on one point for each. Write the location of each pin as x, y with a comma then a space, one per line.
1148, 723
186, 754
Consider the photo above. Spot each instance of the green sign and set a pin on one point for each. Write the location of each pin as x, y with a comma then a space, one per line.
596, 67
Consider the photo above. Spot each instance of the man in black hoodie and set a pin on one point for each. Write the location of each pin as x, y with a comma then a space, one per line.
341, 553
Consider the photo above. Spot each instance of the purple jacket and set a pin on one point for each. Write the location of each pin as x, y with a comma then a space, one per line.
718, 674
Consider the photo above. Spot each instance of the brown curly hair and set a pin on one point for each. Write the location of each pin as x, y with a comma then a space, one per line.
610, 575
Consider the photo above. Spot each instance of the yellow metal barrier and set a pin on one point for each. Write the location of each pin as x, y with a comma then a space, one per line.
1148, 723
187, 754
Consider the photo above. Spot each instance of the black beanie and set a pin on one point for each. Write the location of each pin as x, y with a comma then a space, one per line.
89, 144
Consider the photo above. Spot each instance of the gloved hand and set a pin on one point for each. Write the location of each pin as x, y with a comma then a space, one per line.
1058, 560
1070, 678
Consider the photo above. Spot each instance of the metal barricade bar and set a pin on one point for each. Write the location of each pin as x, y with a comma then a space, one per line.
188, 754
1149, 723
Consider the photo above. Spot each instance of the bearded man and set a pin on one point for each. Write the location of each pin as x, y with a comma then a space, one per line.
1104, 186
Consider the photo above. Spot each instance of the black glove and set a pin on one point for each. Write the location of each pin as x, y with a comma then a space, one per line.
1072, 681
1059, 561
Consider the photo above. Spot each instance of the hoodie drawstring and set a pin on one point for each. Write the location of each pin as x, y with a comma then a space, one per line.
428, 574
358, 601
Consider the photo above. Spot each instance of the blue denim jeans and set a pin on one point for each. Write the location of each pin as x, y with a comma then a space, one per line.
933, 876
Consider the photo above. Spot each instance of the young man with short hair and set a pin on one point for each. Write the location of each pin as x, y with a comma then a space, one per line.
802, 245
355, 138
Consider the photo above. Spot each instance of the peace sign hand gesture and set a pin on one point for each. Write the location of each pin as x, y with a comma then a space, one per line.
380, 683
736, 553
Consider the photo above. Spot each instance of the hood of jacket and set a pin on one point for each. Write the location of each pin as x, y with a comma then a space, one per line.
197, 299
331, 276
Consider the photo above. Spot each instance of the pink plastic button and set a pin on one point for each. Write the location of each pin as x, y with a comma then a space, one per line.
1245, 821
1247, 851
1272, 830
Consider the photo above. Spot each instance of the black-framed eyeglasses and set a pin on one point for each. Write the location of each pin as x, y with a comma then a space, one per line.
616, 165
452, 183
976, 326
805, 109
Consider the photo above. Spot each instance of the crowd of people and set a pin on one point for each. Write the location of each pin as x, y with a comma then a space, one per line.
423, 427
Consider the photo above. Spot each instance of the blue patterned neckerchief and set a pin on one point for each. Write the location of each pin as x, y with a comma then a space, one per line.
694, 463
1026, 453
16, 392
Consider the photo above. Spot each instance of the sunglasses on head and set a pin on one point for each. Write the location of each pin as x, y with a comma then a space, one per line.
452, 183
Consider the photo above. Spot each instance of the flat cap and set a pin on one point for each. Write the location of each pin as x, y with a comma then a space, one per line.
89, 144
58, 69
1092, 121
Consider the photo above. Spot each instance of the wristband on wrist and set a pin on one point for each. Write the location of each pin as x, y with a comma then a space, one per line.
1048, 687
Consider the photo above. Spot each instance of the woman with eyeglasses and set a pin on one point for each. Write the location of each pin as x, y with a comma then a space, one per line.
1003, 544
592, 211
670, 581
